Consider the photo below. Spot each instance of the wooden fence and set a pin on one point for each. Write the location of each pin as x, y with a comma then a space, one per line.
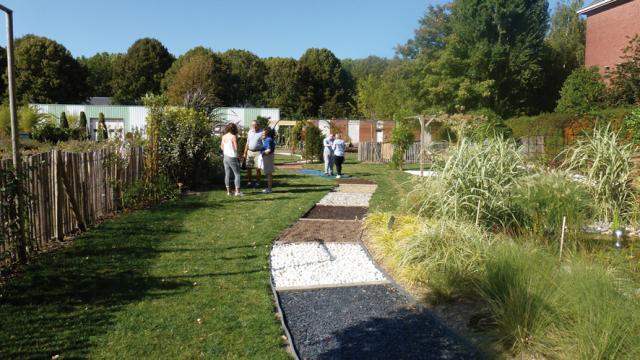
382, 152
67, 192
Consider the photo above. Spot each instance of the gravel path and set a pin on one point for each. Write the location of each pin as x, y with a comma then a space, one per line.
345, 199
317, 264
328, 311
366, 322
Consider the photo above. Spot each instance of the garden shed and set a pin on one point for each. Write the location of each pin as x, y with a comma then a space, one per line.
120, 119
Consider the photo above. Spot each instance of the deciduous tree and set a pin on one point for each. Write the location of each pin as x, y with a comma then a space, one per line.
247, 78
47, 73
282, 83
100, 68
140, 71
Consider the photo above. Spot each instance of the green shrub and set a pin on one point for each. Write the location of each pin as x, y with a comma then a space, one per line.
82, 121
313, 148
545, 198
102, 132
143, 192
625, 82
185, 146
64, 123
630, 129
401, 138
606, 163
50, 133
475, 174
582, 92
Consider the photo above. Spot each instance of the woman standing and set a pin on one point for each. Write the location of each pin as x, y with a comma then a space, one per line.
339, 147
229, 147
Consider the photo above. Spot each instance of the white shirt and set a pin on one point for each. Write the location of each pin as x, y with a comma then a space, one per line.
338, 147
328, 145
228, 149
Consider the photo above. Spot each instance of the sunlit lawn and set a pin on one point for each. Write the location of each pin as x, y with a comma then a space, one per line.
188, 279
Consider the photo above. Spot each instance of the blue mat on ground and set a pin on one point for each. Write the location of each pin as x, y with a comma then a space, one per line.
320, 173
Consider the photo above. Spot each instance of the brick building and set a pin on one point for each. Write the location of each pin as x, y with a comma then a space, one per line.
610, 26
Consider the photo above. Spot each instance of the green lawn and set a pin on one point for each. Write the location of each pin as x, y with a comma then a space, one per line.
136, 286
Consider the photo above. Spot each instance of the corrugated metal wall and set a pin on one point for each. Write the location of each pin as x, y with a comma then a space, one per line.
132, 116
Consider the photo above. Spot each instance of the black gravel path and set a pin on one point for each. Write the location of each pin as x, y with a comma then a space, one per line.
367, 322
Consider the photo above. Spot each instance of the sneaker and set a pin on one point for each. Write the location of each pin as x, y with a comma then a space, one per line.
228, 194
239, 194
338, 176
256, 185
267, 191
249, 184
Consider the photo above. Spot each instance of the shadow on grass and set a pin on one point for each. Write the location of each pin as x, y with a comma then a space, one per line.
64, 299
405, 334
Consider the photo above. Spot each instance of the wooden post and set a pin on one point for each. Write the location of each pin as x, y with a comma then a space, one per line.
58, 197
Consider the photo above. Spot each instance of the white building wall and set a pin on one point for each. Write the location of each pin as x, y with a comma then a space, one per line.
353, 130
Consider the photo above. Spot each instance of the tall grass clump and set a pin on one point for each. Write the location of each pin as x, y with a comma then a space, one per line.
518, 288
446, 255
600, 317
475, 176
606, 163
543, 199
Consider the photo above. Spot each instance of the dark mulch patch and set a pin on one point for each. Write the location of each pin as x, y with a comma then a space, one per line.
367, 322
355, 181
322, 230
337, 212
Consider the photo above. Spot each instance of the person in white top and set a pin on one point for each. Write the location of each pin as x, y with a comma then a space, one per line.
229, 147
339, 147
327, 143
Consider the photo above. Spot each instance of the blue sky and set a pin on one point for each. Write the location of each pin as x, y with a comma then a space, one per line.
350, 28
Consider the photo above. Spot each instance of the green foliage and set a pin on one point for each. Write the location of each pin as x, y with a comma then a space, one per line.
326, 90
247, 78
545, 198
606, 164
431, 35
401, 138
100, 69
360, 69
281, 86
565, 50
197, 79
102, 132
82, 122
630, 129
140, 71
476, 176
582, 93
496, 46
47, 73
313, 148
186, 146
518, 287
263, 122
63, 123
142, 193
50, 133
625, 82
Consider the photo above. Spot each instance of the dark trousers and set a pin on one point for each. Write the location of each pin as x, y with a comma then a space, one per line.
339, 161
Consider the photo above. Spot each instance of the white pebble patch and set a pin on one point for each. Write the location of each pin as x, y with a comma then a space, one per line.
314, 264
357, 188
345, 199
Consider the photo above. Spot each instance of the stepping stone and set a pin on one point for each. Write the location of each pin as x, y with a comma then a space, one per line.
315, 264
345, 199
357, 188
337, 212
305, 230
367, 322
